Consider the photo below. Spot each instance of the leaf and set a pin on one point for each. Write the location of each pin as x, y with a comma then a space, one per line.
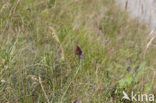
140, 71
126, 81
148, 86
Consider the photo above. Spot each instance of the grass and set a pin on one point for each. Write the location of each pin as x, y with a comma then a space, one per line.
38, 65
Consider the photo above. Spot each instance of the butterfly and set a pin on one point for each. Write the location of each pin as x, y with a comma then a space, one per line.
78, 51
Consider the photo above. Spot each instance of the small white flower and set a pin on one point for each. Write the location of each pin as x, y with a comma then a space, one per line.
3, 81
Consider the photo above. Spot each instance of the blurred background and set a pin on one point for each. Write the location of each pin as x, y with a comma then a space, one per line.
38, 39
144, 10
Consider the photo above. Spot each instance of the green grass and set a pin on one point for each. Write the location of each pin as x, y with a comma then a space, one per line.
110, 39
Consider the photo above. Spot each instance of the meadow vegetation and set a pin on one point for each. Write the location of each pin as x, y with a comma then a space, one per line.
37, 61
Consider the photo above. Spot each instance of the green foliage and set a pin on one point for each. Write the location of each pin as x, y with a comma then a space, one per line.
126, 81
140, 71
135, 77
110, 40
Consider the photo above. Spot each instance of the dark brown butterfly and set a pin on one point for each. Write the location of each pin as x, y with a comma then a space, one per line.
78, 51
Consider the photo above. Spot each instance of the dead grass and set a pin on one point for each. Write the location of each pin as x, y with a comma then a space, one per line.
34, 35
